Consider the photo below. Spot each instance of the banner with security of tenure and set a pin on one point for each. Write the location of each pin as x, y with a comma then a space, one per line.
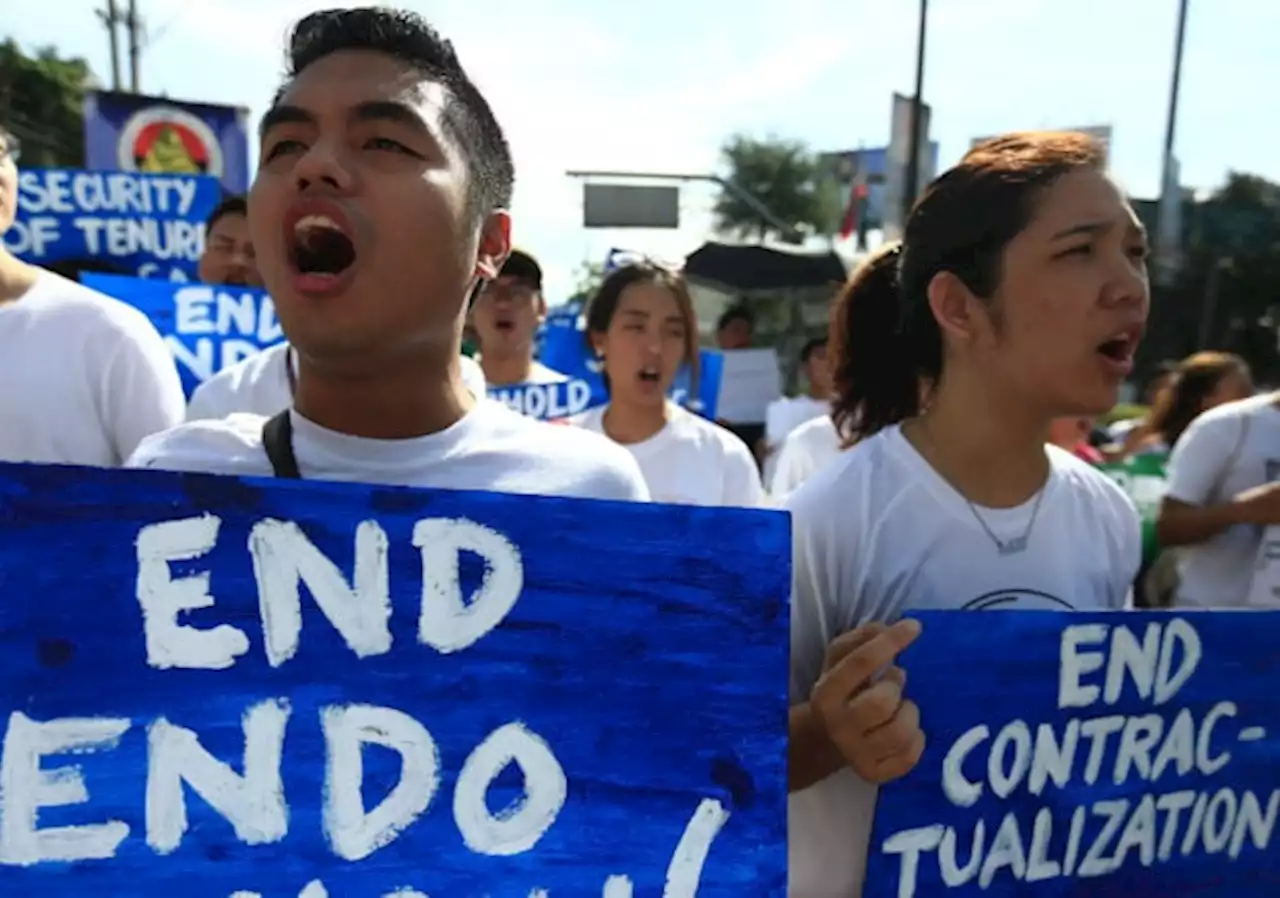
206, 327
563, 348
1101, 754
214, 687
146, 225
136, 133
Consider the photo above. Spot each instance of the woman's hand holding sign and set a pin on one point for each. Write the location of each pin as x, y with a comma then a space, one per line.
859, 701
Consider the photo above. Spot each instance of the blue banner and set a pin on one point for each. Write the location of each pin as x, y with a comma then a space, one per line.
563, 347
148, 225
546, 402
207, 328
135, 133
218, 687
1106, 754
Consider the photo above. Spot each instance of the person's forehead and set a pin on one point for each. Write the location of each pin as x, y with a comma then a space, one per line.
1079, 198
342, 82
231, 224
644, 296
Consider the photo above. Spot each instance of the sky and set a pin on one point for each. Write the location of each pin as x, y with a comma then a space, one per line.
658, 86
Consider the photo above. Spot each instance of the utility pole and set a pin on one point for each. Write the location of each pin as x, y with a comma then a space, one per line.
134, 23
1167, 166
911, 186
110, 17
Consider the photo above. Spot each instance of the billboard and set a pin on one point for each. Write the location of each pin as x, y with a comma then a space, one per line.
872, 179
156, 135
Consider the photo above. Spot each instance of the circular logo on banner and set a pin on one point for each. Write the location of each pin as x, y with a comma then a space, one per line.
1021, 599
166, 139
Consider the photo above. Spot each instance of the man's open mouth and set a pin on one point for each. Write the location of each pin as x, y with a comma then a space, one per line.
319, 245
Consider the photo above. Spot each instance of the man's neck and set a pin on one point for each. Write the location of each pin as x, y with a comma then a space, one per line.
506, 371
399, 402
16, 277
627, 424
982, 443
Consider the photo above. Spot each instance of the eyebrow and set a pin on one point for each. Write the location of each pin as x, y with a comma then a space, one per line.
1094, 228
371, 111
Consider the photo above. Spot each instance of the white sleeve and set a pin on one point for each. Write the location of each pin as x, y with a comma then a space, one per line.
1198, 459
142, 392
1130, 561
815, 601
207, 402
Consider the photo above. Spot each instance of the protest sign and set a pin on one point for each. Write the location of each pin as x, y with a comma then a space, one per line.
1144, 478
148, 225
207, 328
563, 348
1100, 754
217, 687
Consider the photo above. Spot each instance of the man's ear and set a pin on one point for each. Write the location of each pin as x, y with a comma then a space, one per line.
495, 245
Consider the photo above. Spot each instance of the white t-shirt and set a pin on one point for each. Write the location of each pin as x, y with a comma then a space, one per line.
259, 385
691, 461
490, 448
540, 374
805, 451
86, 377
878, 533
781, 417
1225, 451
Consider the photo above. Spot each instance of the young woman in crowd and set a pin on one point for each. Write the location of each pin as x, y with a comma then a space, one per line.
1224, 480
642, 327
1022, 296
1200, 382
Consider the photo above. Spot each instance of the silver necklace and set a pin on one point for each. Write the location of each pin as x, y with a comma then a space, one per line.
1018, 543
1004, 547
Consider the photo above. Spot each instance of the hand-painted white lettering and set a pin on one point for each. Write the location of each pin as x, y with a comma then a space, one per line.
204, 310
448, 622
163, 598
283, 558
684, 873
354, 833
253, 804
1158, 665
960, 791
66, 192
33, 237
518, 828
26, 787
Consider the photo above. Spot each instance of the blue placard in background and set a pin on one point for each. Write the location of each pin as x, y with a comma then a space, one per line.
563, 347
1106, 754
147, 225
207, 328
182, 717
134, 132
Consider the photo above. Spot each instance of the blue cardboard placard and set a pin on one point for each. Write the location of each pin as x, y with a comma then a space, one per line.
133, 132
217, 687
563, 347
207, 328
1103, 754
148, 225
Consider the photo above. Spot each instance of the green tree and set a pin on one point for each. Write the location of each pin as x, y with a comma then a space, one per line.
1225, 296
41, 102
784, 177
588, 278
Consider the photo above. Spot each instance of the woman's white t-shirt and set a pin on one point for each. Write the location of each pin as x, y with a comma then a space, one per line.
878, 533
86, 377
1225, 451
807, 449
259, 385
691, 461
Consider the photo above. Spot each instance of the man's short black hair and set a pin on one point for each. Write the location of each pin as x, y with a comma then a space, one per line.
811, 347
736, 313
522, 267
232, 205
406, 36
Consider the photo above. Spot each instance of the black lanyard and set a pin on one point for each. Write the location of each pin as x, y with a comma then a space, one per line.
277, 439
